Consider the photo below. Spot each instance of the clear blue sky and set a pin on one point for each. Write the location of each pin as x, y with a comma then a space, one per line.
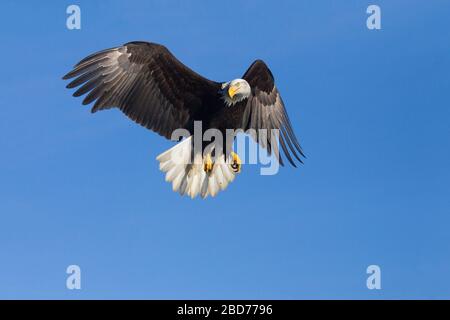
371, 109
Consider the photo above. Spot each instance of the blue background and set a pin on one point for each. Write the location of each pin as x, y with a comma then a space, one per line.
371, 109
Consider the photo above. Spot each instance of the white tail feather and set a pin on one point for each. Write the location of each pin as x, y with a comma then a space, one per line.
190, 178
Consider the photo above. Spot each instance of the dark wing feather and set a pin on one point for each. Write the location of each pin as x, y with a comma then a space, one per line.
265, 110
147, 83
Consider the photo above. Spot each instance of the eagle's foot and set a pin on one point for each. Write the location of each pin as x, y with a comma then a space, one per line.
208, 164
236, 162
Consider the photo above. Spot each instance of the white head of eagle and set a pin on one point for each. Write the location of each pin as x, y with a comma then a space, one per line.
235, 91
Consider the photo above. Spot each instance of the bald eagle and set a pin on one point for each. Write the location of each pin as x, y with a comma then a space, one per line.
153, 88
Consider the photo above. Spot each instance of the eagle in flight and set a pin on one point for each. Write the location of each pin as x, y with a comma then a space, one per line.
153, 88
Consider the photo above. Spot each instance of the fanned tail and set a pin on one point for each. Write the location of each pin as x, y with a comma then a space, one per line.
189, 177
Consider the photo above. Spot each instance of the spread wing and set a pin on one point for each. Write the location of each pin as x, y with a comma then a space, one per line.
265, 110
147, 83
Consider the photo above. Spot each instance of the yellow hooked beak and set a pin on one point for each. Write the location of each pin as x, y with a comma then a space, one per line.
232, 91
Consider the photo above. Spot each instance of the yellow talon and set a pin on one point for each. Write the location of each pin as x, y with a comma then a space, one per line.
208, 164
237, 163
